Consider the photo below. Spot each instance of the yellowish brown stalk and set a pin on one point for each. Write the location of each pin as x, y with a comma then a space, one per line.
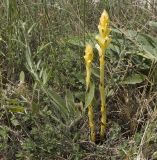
88, 60
103, 40
102, 96
91, 123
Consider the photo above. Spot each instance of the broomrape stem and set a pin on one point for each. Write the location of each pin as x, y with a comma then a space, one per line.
88, 60
103, 40
91, 123
102, 96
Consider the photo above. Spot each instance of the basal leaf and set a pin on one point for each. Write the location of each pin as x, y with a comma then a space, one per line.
89, 94
134, 79
70, 101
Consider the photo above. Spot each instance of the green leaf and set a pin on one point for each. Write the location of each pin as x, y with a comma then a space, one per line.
35, 108
70, 101
153, 25
148, 40
15, 122
45, 77
89, 95
109, 92
134, 79
29, 61
80, 77
131, 33
16, 109
61, 105
154, 156
79, 40
31, 28
96, 71
43, 46
149, 53
22, 77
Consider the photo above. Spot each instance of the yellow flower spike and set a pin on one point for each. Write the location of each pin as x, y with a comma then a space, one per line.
88, 53
88, 59
104, 30
104, 19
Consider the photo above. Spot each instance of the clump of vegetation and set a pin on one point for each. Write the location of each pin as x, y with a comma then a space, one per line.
43, 113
